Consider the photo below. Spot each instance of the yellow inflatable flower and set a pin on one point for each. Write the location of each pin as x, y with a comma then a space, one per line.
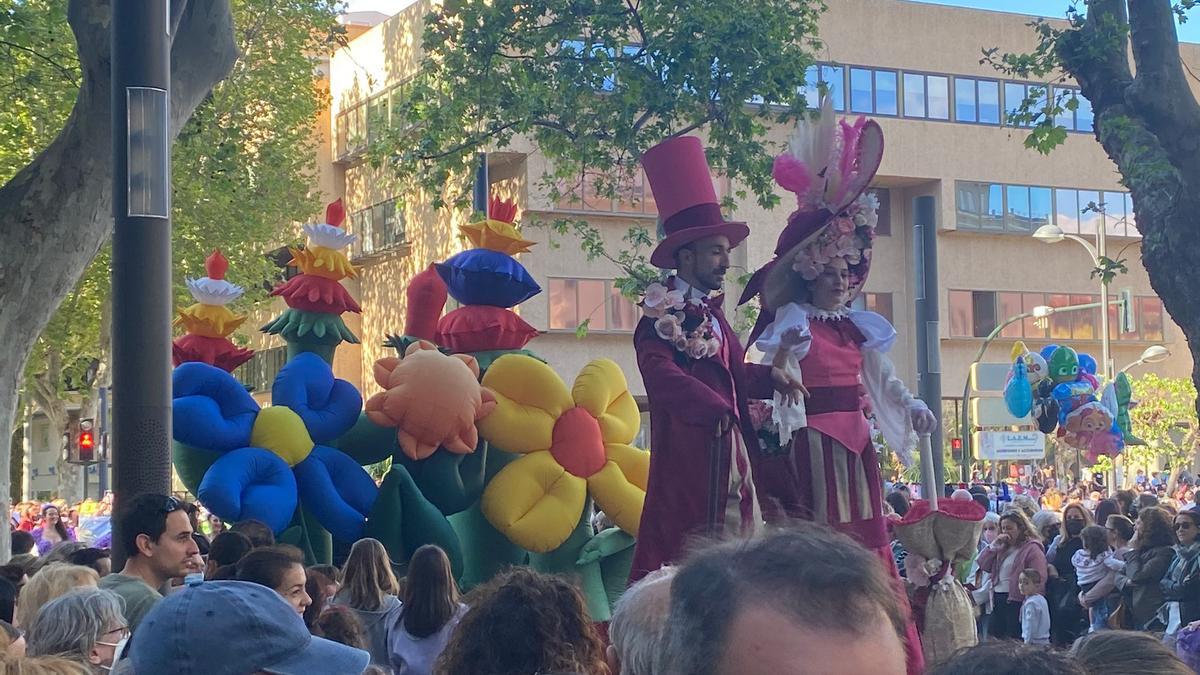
571, 442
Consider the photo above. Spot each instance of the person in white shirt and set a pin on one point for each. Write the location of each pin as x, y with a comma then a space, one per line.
1035, 613
1092, 570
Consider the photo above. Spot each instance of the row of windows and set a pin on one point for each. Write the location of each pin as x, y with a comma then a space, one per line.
977, 313
1021, 209
378, 227
600, 303
361, 124
881, 91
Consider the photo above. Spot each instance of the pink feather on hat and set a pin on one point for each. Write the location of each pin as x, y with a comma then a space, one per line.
792, 175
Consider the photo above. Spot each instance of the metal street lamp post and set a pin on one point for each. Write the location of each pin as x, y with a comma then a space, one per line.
1052, 234
1152, 354
141, 251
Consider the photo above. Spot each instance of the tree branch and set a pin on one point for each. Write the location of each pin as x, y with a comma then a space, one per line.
67, 72
1160, 92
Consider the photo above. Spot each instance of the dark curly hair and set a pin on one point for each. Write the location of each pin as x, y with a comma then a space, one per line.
524, 622
1154, 529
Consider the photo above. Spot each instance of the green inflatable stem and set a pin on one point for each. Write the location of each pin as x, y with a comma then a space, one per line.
314, 332
306, 534
191, 463
565, 560
485, 550
404, 520
366, 442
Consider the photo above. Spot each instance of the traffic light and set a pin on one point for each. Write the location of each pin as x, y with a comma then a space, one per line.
956, 446
87, 441
1128, 320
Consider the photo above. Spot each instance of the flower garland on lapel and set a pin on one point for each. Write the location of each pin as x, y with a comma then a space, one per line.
685, 323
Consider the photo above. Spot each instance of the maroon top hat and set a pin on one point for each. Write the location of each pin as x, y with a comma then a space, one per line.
682, 186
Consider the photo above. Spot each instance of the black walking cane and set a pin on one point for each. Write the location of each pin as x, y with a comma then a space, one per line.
714, 478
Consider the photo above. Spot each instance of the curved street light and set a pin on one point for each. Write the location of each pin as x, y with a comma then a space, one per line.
1152, 354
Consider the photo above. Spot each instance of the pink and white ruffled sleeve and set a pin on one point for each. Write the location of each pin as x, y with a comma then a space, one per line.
891, 400
787, 418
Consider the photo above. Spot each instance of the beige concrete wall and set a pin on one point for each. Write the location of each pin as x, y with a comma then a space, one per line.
922, 158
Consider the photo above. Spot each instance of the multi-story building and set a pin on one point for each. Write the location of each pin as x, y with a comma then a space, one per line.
913, 67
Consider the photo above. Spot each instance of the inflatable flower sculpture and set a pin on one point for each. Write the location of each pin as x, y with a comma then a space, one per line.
209, 323
573, 442
432, 399
316, 297
274, 458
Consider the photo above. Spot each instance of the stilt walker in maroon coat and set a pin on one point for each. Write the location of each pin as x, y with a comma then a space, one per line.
693, 367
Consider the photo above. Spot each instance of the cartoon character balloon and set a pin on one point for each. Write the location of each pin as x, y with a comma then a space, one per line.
1063, 365
1018, 395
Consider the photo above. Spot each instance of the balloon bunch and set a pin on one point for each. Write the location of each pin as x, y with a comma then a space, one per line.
1059, 389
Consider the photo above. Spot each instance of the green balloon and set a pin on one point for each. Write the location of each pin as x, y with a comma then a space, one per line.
1063, 365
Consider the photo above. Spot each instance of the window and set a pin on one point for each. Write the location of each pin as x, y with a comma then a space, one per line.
1150, 319
377, 118
872, 91
630, 196
914, 95
1085, 323
1020, 209
1078, 120
880, 303
927, 96
989, 101
260, 371
597, 301
824, 78
1066, 210
1015, 94
351, 130
1016, 218
379, 227
966, 108
1009, 305
884, 226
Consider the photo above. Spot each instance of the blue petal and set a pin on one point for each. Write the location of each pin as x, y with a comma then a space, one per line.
250, 483
212, 410
329, 407
337, 491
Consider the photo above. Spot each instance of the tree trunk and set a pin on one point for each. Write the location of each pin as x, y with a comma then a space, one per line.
56, 212
1149, 125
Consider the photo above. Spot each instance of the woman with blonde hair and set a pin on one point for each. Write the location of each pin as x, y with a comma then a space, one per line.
369, 587
1126, 652
52, 581
46, 665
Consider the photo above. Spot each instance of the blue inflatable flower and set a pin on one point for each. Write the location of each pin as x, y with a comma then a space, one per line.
275, 458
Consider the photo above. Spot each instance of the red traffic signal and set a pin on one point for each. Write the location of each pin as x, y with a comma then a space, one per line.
956, 444
87, 441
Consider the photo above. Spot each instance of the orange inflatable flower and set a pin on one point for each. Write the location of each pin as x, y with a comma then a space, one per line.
572, 443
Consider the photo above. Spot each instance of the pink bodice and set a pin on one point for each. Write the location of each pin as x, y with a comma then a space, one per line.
834, 359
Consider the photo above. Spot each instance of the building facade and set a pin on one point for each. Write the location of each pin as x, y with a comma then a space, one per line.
913, 67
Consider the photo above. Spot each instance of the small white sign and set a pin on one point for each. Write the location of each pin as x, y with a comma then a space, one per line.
1009, 445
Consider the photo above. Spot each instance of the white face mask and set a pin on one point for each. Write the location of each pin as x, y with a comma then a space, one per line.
118, 651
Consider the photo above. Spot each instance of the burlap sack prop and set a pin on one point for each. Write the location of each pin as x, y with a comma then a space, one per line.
943, 609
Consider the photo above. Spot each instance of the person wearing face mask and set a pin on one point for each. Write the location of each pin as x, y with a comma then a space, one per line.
1017, 548
1068, 619
1181, 584
85, 625
979, 582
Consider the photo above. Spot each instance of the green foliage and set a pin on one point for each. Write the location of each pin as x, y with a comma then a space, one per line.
595, 84
1165, 417
41, 78
241, 166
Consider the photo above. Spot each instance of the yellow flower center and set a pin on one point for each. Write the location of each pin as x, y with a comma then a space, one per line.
281, 431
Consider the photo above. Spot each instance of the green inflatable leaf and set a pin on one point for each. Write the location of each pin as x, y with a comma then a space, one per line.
404, 520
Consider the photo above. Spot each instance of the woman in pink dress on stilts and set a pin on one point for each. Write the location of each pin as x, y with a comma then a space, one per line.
825, 467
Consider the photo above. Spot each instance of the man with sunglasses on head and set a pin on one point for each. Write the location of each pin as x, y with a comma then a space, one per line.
156, 536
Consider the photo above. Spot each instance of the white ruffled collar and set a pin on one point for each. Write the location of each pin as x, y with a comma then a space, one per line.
819, 314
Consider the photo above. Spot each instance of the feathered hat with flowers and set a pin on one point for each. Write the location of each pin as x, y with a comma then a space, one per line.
828, 166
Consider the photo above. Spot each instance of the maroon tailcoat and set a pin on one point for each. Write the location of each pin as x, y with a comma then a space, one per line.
687, 398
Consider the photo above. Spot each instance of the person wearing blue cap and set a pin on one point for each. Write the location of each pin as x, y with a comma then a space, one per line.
234, 628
